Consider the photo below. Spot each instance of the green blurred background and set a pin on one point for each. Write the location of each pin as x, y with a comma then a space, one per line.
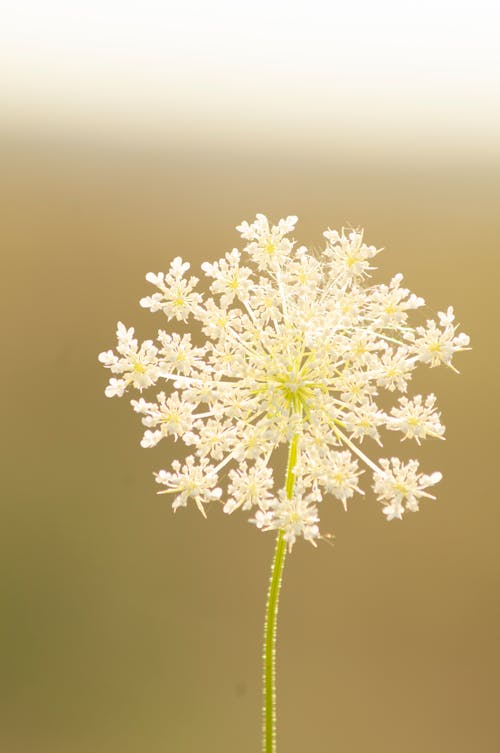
127, 629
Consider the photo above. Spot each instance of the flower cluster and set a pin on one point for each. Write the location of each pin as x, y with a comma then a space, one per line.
298, 347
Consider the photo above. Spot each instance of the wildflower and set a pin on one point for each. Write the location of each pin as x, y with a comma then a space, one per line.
250, 486
417, 419
195, 479
397, 483
136, 366
297, 516
297, 348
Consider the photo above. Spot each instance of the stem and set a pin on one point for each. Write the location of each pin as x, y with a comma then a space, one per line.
269, 680
270, 626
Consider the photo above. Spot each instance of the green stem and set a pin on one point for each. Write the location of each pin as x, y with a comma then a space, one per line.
270, 627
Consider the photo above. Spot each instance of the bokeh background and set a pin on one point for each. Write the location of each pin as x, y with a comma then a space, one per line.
132, 133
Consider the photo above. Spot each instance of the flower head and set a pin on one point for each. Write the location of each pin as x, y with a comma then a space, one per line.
298, 346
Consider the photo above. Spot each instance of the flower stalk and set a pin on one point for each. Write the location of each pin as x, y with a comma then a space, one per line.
269, 656
271, 622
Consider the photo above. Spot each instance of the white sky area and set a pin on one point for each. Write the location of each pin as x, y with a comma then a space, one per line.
255, 66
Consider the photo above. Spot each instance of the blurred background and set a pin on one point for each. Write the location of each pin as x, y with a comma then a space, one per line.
134, 132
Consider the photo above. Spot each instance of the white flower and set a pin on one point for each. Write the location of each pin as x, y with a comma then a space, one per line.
195, 479
397, 483
335, 472
269, 246
230, 278
176, 298
177, 354
348, 254
436, 344
172, 415
137, 366
249, 486
390, 304
211, 438
416, 419
297, 516
364, 421
395, 370
297, 348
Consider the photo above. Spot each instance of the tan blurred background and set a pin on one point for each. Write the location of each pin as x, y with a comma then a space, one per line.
124, 628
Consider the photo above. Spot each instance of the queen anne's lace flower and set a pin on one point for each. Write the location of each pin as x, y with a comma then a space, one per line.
297, 349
